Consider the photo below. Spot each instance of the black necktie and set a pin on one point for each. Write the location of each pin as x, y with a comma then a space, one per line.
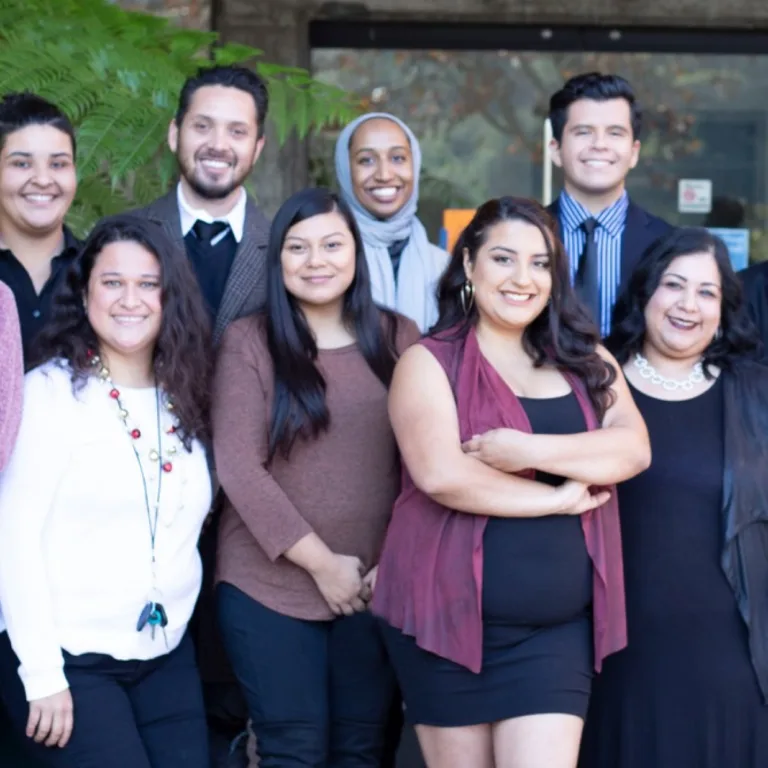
206, 232
587, 276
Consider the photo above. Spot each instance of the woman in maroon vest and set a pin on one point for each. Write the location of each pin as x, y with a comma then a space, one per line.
501, 578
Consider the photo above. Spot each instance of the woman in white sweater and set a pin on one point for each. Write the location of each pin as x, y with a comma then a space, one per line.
101, 506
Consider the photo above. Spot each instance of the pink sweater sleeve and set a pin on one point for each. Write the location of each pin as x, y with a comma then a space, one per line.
11, 373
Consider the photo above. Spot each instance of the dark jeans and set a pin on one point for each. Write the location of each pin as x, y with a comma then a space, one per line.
319, 693
128, 714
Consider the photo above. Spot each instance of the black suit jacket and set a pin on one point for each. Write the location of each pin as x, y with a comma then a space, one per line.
246, 288
640, 231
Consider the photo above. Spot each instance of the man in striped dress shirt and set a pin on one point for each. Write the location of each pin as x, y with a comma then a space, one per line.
595, 126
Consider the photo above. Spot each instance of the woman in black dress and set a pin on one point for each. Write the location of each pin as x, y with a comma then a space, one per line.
689, 690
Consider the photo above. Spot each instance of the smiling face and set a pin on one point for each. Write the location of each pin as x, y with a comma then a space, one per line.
318, 260
217, 143
597, 149
511, 274
124, 299
381, 162
683, 315
37, 179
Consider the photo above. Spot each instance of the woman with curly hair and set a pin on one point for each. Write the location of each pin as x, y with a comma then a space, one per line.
101, 507
690, 689
502, 564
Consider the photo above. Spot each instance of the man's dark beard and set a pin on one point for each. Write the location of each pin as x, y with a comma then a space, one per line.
218, 193
208, 193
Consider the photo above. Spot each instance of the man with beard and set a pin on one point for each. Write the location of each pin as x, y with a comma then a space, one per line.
595, 126
217, 136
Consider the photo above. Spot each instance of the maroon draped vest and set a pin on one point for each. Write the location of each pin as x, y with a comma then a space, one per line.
429, 583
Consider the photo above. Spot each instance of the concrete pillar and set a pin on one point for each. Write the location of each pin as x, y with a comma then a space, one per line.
280, 29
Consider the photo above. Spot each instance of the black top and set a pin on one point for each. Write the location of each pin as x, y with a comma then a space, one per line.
395, 252
212, 261
671, 523
35, 309
683, 693
536, 570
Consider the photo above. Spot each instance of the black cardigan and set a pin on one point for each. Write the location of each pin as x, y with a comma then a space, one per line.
744, 557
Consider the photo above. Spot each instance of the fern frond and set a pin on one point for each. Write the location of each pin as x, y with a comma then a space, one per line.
117, 74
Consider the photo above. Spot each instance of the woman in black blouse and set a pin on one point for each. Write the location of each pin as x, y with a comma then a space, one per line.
689, 691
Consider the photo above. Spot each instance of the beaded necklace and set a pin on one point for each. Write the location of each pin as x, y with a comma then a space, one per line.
153, 613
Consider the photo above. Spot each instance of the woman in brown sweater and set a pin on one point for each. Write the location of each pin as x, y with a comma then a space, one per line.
308, 462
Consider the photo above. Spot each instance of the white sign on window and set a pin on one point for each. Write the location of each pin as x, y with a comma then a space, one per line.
694, 195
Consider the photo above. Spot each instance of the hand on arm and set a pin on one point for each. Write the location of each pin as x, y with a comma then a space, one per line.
423, 414
616, 452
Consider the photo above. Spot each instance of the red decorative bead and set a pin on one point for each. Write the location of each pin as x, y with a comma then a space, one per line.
89, 353
135, 434
167, 467
171, 431
114, 393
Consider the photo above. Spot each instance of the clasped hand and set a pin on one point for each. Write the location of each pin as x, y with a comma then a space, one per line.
344, 585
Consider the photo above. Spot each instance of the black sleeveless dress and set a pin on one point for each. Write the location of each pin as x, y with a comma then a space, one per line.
537, 624
683, 694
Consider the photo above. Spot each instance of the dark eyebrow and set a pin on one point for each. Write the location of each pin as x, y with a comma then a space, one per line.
202, 116
333, 234
610, 127
685, 279
503, 248
19, 153
373, 149
120, 274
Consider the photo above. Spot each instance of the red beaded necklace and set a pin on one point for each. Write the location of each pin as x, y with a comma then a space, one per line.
133, 431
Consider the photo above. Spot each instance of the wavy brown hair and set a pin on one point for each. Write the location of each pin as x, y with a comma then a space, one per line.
183, 351
564, 333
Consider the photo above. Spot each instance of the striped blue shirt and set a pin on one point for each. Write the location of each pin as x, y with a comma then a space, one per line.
608, 236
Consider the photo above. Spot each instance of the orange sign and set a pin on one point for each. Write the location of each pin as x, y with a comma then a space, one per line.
454, 221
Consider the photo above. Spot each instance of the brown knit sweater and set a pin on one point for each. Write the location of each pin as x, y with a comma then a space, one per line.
341, 485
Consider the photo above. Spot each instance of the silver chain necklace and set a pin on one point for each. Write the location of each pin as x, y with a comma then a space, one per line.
647, 371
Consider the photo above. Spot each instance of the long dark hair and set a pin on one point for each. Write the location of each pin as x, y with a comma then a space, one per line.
299, 406
738, 337
183, 352
563, 333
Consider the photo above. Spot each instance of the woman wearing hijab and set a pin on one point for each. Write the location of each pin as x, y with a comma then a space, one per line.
378, 162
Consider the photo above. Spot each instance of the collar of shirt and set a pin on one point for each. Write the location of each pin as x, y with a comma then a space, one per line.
63, 258
189, 215
573, 214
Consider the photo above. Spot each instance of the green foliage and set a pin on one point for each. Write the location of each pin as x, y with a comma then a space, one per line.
117, 74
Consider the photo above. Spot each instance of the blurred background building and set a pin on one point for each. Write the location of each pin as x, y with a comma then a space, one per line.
473, 78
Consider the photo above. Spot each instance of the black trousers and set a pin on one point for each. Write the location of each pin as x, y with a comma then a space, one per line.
127, 714
319, 693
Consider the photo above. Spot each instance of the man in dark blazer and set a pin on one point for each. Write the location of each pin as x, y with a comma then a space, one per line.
595, 127
217, 136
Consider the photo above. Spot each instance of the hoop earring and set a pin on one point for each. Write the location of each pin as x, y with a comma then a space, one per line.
467, 296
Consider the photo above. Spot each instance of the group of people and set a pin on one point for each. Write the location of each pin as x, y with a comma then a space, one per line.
514, 495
